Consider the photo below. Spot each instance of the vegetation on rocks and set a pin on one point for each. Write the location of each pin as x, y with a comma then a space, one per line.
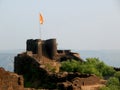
97, 67
90, 66
113, 83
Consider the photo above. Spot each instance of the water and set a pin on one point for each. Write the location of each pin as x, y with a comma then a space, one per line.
7, 61
7, 58
110, 57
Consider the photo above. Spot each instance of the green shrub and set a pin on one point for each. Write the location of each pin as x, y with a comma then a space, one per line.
117, 75
113, 81
91, 66
114, 87
102, 68
76, 66
112, 84
70, 66
104, 88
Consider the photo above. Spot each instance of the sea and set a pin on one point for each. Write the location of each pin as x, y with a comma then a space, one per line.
110, 57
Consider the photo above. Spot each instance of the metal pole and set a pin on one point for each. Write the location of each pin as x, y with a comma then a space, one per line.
40, 31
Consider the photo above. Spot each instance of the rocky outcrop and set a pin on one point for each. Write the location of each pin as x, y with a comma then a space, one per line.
75, 81
33, 74
40, 66
60, 81
36, 76
10, 81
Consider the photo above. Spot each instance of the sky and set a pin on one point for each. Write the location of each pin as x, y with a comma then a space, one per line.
76, 24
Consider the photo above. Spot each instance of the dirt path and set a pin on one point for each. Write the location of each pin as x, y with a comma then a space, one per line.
92, 87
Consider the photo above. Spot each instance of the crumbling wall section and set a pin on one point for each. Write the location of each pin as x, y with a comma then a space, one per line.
33, 74
10, 81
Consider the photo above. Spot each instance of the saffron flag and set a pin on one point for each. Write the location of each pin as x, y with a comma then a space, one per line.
41, 19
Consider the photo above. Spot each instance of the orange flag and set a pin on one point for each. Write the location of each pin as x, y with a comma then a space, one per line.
41, 19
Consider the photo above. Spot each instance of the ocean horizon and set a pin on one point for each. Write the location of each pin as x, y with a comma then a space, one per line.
110, 57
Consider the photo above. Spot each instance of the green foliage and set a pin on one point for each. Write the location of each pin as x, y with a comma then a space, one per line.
113, 81
97, 67
112, 84
102, 68
104, 88
88, 69
91, 66
117, 75
114, 87
70, 66
28, 84
50, 68
111, 87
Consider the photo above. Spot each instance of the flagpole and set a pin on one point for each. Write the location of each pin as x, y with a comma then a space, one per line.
40, 31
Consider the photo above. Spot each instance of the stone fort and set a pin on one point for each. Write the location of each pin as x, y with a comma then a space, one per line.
48, 49
45, 52
40, 67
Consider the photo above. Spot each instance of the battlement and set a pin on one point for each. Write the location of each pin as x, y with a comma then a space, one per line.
40, 47
48, 48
